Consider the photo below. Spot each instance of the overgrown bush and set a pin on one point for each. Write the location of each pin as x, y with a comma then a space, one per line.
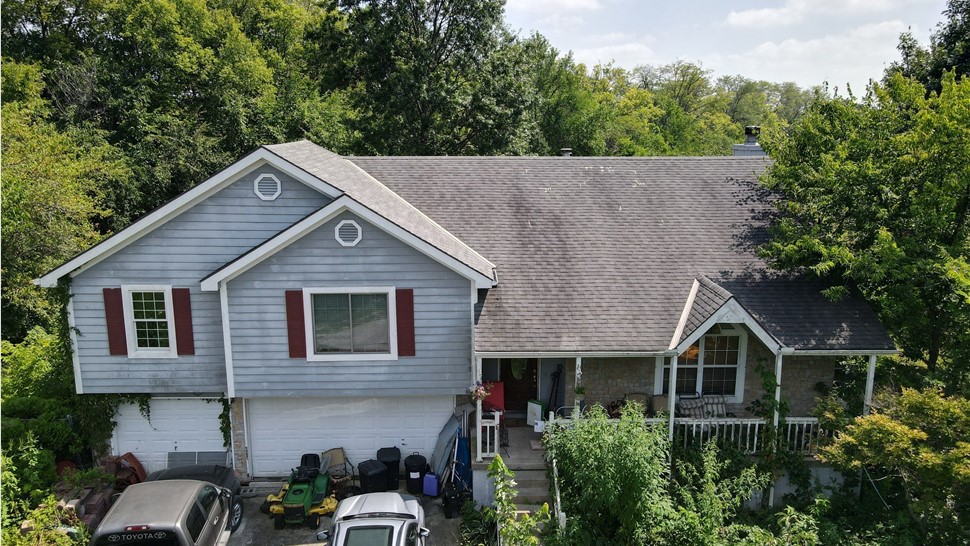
48, 525
27, 474
921, 441
614, 478
477, 527
513, 528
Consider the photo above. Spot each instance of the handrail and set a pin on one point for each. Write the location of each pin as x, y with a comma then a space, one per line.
560, 515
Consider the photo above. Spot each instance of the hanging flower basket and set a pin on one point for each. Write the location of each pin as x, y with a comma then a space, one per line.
480, 391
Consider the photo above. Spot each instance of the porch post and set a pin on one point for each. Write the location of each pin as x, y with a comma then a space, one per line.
870, 381
776, 418
778, 360
579, 371
672, 397
476, 377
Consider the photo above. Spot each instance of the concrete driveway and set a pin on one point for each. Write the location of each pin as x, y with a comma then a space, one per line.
257, 528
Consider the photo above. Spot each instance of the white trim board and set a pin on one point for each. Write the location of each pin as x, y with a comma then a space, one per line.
731, 312
344, 203
183, 202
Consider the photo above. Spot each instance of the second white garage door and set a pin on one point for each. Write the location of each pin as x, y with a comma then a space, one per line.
283, 429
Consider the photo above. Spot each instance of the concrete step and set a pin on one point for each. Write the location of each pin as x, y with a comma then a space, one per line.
526, 475
517, 464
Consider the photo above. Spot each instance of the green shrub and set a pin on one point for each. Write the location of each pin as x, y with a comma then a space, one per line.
614, 478
28, 473
50, 526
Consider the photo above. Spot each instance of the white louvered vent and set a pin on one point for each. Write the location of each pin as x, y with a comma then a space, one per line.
267, 187
348, 233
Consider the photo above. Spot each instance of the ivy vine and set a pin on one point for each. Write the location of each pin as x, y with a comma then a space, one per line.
225, 419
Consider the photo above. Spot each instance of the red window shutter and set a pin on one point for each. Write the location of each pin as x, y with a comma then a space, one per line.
295, 325
405, 322
184, 339
114, 314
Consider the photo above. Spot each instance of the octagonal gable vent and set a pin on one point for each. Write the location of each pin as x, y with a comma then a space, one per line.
267, 187
348, 233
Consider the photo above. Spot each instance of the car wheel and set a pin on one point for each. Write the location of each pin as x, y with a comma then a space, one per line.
313, 521
278, 522
235, 514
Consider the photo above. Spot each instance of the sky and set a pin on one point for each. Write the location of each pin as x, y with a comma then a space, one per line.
809, 42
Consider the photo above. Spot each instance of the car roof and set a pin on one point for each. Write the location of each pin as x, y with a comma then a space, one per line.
373, 505
151, 503
206, 472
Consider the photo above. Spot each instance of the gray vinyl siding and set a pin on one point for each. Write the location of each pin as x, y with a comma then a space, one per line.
180, 253
442, 319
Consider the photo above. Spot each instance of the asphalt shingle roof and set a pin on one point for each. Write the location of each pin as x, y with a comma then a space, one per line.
599, 254
709, 298
363, 188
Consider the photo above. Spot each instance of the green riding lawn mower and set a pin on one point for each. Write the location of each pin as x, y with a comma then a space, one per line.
304, 497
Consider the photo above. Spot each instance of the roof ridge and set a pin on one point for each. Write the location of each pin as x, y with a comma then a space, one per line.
708, 283
422, 214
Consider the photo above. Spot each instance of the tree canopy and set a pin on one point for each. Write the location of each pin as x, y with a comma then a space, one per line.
877, 197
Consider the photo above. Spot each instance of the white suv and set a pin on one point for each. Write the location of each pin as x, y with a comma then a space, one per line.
377, 518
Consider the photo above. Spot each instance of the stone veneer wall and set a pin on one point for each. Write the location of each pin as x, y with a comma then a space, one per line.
240, 455
608, 379
799, 375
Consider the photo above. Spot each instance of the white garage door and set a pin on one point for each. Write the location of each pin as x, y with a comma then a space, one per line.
177, 424
283, 429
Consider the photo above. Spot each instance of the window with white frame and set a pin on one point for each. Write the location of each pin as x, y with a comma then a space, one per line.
714, 364
149, 321
350, 324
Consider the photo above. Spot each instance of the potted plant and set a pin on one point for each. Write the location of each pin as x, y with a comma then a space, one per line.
580, 391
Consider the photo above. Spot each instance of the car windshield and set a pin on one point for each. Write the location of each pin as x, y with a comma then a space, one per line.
369, 536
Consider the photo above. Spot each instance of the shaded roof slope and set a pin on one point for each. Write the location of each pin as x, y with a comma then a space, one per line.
599, 254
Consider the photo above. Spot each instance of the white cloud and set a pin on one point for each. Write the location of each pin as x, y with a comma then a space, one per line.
552, 6
562, 23
852, 56
626, 54
797, 11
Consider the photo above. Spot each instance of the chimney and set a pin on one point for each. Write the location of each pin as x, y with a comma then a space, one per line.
750, 148
565, 152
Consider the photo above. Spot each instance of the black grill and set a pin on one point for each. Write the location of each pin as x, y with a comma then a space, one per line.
293, 512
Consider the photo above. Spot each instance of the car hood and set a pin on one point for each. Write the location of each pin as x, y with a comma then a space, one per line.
374, 505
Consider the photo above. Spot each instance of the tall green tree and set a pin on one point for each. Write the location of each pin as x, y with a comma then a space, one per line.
53, 188
877, 196
564, 111
436, 77
949, 49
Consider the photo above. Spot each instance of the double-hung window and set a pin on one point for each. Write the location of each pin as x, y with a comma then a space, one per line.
149, 321
714, 364
350, 324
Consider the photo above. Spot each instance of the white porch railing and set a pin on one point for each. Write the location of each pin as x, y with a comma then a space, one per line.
489, 430
799, 434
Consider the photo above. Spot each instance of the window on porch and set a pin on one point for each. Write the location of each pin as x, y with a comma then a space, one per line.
712, 365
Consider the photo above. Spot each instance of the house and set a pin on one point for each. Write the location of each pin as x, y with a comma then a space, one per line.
351, 301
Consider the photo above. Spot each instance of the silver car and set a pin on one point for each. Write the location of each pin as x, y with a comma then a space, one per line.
167, 513
377, 519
